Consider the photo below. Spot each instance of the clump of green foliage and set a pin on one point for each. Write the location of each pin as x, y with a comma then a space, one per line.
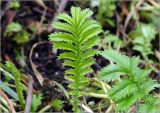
106, 11
14, 4
12, 73
132, 83
57, 104
151, 15
13, 27
15, 31
6, 88
79, 36
111, 41
142, 37
36, 102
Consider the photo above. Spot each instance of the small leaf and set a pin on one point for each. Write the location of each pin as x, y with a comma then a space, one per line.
57, 104
36, 102
65, 46
67, 55
60, 36
111, 73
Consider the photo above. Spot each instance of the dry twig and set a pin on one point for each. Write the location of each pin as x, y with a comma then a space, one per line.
29, 95
131, 14
36, 72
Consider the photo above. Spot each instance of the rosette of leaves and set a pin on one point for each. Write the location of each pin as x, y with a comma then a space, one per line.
77, 39
132, 84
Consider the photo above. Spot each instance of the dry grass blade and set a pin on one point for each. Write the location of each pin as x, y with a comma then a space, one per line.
36, 72
8, 101
86, 109
29, 95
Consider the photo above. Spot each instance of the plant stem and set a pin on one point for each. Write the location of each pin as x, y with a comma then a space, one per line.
149, 64
103, 86
45, 108
109, 109
95, 95
19, 91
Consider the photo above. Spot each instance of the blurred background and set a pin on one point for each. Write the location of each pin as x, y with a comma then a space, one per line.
129, 26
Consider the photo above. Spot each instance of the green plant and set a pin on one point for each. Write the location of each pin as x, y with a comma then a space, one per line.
116, 41
22, 37
142, 37
14, 4
132, 83
15, 32
78, 38
111, 40
12, 27
151, 14
57, 104
5, 86
12, 69
151, 105
36, 102
9, 70
106, 11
